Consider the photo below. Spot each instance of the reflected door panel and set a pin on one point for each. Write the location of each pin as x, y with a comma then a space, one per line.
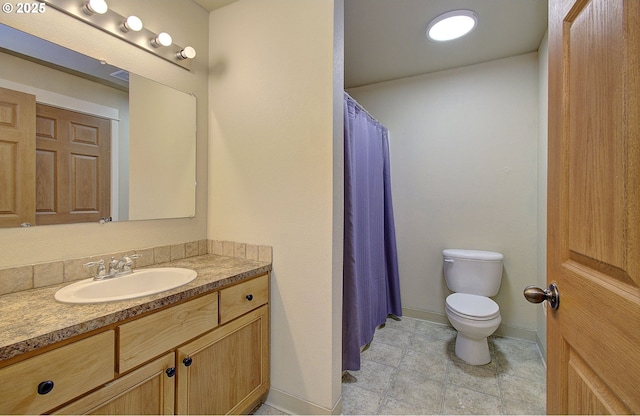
73, 166
17, 160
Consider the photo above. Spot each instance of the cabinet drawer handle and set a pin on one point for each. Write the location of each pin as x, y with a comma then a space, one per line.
171, 371
249, 297
45, 387
187, 361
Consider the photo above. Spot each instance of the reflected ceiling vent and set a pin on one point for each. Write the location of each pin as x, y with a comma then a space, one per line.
121, 75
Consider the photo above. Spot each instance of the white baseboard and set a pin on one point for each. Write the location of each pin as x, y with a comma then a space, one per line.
296, 406
437, 318
543, 350
503, 330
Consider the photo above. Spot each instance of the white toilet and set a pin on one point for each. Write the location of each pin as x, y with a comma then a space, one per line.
474, 276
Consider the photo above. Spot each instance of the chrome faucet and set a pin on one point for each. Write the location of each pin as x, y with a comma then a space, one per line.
117, 268
122, 266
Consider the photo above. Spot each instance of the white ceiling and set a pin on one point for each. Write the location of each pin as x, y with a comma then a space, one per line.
385, 39
213, 4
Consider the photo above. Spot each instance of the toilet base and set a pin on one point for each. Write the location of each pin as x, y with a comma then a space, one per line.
473, 351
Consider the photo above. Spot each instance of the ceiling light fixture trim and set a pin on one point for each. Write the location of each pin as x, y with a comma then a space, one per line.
452, 25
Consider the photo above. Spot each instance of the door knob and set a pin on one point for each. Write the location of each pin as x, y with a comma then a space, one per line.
536, 295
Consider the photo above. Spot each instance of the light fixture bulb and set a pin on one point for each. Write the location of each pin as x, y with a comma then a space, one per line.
132, 23
187, 53
95, 6
452, 25
163, 39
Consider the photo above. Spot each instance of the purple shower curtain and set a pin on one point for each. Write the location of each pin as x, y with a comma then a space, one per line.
371, 288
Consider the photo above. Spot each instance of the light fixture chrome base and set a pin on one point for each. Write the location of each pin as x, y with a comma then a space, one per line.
111, 22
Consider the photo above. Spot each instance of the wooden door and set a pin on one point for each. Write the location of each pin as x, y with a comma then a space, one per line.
17, 158
229, 368
594, 206
73, 165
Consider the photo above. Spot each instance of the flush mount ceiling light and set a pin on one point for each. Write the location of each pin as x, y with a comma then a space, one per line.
452, 25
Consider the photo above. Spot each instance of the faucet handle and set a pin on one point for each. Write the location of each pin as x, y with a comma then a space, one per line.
94, 263
133, 256
101, 270
126, 262
130, 256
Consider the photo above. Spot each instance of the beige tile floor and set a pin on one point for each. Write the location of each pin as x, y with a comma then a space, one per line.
411, 368
267, 410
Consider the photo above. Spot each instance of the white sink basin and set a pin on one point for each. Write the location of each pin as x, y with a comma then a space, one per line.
140, 283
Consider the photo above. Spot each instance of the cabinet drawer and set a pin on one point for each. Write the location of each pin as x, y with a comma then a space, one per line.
240, 299
148, 337
73, 369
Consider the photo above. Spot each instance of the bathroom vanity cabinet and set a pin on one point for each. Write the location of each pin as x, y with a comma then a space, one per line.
206, 355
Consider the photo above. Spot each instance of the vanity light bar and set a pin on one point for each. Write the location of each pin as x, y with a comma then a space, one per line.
120, 27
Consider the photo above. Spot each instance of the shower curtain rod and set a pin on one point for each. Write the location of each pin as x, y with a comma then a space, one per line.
362, 108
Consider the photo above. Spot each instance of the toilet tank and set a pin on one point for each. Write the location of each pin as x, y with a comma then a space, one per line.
473, 271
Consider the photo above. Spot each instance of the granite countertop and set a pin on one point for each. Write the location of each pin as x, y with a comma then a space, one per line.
33, 318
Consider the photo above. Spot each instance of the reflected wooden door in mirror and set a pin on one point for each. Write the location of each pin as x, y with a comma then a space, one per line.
17, 158
73, 165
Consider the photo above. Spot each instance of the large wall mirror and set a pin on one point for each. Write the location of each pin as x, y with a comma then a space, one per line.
81, 140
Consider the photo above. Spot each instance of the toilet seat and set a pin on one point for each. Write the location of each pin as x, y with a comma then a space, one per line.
474, 307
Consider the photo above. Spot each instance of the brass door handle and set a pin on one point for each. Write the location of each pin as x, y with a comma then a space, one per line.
536, 295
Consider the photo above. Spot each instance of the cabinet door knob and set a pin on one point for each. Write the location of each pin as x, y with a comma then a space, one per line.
249, 297
171, 371
45, 387
187, 361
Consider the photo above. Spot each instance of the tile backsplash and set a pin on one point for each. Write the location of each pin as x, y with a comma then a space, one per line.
16, 279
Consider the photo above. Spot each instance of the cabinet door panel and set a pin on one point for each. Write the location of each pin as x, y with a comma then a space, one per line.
145, 391
229, 368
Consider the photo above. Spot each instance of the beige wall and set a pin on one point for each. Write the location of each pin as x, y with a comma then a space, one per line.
272, 178
188, 24
464, 175
543, 109
162, 157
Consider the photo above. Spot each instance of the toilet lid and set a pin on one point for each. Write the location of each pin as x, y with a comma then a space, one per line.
473, 306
